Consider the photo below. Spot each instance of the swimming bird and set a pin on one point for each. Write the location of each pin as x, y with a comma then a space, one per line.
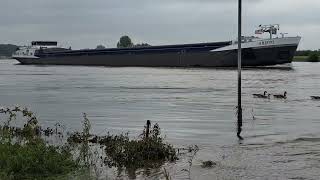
260, 95
266, 97
280, 96
315, 97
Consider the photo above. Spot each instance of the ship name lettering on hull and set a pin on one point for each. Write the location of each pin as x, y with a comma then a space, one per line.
261, 43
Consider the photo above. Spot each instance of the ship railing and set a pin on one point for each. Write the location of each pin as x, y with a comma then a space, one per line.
245, 39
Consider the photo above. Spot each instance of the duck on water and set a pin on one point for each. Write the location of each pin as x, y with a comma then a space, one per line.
280, 96
315, 97
264, 95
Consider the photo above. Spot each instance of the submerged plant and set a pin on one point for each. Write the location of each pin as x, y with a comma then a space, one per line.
192, 151
149, 150
144, 152
166, 174
208, 164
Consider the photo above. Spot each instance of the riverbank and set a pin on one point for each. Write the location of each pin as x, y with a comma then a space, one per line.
300, 59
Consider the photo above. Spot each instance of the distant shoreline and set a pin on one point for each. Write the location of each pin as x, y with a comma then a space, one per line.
300, 59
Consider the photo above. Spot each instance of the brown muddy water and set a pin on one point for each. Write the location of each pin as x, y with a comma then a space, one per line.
192, 106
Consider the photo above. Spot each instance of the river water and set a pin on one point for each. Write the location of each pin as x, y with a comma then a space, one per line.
192, 106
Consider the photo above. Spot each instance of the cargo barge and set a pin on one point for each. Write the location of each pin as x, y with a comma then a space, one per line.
256, 52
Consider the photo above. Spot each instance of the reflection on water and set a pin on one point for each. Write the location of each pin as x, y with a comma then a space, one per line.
192, 106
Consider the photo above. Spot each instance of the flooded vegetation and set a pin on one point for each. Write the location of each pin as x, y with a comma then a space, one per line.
26, 152
123, 152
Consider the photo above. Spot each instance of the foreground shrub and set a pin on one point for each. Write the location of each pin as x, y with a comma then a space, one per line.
24, 154
34, 160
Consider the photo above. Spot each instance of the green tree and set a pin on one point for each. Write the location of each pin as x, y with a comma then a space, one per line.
313, 57
100, 47
125, 42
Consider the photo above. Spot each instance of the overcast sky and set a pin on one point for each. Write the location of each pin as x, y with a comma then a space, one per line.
87, 23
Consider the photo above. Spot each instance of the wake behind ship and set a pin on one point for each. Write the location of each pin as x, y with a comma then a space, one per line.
256, 52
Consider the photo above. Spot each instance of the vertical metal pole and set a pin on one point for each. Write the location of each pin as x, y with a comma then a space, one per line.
239, 70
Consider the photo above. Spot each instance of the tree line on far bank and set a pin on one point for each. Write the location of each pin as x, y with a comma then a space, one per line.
307, 55
306, 52
6, 50
125, 42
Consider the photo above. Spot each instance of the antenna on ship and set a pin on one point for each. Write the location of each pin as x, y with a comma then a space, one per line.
272, 29
239, 108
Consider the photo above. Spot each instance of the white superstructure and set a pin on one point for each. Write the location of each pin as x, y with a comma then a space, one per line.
256, 42
29, 51
25, 52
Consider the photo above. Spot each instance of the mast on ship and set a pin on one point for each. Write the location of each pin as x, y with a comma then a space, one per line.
272, 29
